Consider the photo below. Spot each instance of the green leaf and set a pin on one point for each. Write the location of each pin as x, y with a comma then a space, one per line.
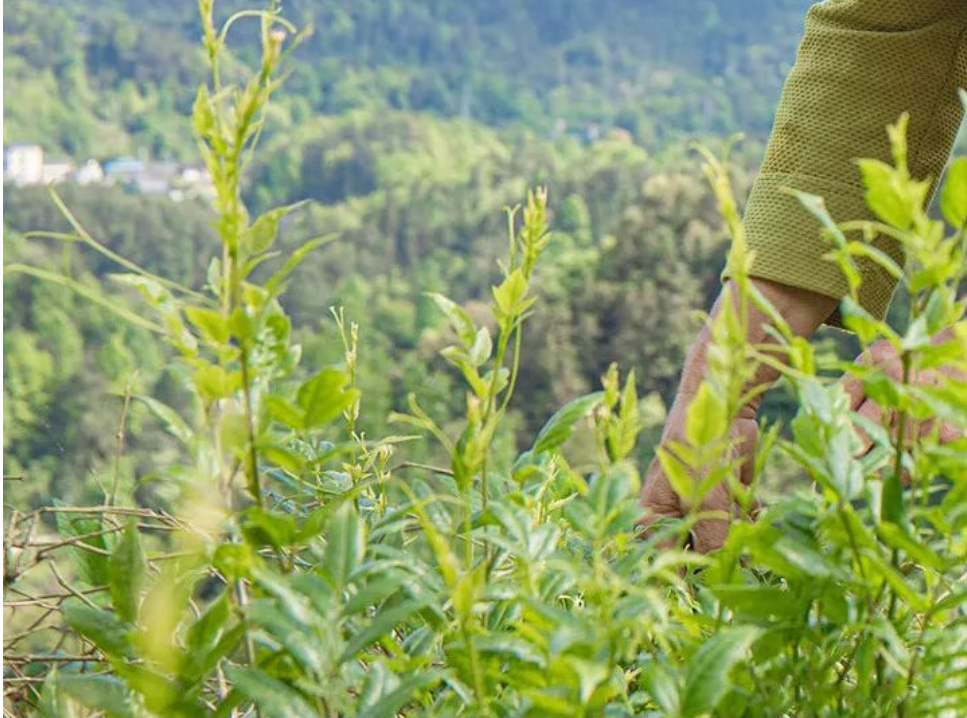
324, 397
953, 198
459, 319
678, 475
260, 235
892, 507
272, 696
100, 627
817, 208
234, 560
381, 625
315, 522
884, 195
263, 527
299, 642
345, 544
215, 383
173, 423
53, 702
623, 435
482, 346
559, 427
127, 566
758, 602
509, 296
661, 683
203, 113
896, 537
375, 591
897, 582
205, 631
233, 430
284, 412
707, 421
210, 323
707, 676
276, 282
99, 693
200, 664
391, 703
91, 567
509, 646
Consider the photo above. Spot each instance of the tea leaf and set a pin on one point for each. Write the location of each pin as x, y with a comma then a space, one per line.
127, 565
953, 198
561, 425
100, 627
707, 675
346, 545
270, 694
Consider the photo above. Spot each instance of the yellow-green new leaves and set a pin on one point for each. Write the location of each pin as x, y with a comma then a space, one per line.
890, 193
534, 236
624, 428
953, 198
510, 297
459, 319
211, 324
260, 235
707, 420
561, 425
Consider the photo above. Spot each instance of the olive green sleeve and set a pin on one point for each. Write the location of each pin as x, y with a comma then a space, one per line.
861, 63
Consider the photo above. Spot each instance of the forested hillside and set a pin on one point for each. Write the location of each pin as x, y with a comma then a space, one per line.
409, 126
98, 78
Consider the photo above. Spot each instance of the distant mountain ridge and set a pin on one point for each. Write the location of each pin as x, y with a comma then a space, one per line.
111, 77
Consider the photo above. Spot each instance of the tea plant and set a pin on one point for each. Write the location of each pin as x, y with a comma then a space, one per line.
300, 569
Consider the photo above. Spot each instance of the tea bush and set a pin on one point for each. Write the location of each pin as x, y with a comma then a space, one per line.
299, 568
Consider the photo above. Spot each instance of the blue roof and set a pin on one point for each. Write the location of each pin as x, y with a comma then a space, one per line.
123, 163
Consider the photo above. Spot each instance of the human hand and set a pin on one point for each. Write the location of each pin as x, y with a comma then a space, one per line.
661, 501
803, 311
884, 356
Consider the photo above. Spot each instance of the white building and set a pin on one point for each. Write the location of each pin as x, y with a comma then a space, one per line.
56, 171
192, 183
23, 164
90, 172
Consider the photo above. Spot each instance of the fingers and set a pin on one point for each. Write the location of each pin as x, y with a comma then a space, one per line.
747, 438
710, 534
879, 354
659, 501
883, 356
871, 411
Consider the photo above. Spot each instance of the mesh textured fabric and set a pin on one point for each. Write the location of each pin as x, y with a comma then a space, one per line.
861, 63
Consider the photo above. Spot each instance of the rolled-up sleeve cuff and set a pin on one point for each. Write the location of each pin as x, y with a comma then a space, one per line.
788, 246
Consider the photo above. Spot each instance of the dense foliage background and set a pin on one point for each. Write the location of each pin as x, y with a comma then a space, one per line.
410, 126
